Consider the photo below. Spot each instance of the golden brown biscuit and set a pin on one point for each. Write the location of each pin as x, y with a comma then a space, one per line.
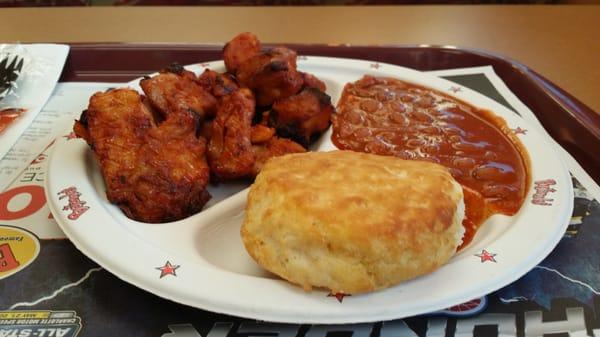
352, 222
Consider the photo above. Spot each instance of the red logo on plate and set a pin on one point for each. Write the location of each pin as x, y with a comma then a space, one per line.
75, 205
542, 188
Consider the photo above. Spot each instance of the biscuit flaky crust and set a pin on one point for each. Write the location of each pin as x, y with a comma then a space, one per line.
352, 222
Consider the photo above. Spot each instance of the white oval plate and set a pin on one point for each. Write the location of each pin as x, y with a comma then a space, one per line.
200, 261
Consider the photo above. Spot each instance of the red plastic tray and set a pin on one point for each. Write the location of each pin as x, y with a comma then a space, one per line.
571, 123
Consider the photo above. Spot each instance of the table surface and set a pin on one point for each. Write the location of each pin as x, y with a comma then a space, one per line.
560, 42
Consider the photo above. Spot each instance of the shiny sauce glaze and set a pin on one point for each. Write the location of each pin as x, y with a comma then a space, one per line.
390, 117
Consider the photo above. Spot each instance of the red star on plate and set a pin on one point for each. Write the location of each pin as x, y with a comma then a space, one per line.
375, 65
455, 89
167, 269
519, 131
70, 136
338, 296
205, 64
486, 256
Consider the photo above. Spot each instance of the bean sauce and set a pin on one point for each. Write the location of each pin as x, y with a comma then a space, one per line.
390, 117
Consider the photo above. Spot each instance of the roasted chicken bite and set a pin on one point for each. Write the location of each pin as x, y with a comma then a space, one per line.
303, 116
230, 149
273, 147
176, 90
272, 75
265, 145
236, 148
239, 50
217, 84
261, 133
311, 81
153, 173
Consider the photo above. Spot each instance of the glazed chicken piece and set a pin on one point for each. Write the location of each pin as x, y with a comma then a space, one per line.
153, 173
230, 149
311, 81
302, 117
236, 148
240, 49
261, 133
217, 84
272, 75
176, 90
265, 145
273, 147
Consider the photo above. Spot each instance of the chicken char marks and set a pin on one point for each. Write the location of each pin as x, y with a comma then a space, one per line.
271, 75
177, 90
301, 110
236, 148
230, 148
303, 116
154, 173
218, 84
